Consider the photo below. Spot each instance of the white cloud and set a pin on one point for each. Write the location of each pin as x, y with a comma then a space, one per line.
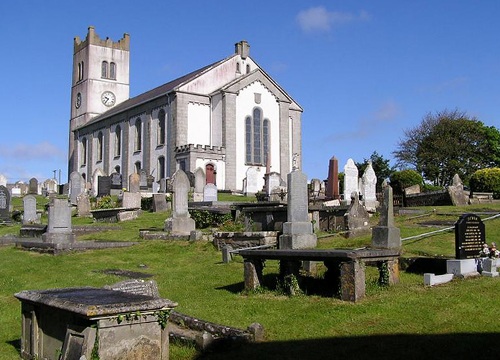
319, 19
30, 152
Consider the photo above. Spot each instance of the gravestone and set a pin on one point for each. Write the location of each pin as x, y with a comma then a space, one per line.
143, 180
254, 181
133, 183
94, 186
83, 205
210, 192
385, 235
116, 183
356, 218
30, 215
456, 191
315, 188
3, 180
103, 186
469, 236
4, 204
199, 184
77, 186
33, 186
163, 185
272, 180
332, 188
180, 223
131, 200
160, 203
350, 180
50, 186
297, 230
135, 286
369, 188
412, 190
59, 228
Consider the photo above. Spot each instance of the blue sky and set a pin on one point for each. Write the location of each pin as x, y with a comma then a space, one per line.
363, 71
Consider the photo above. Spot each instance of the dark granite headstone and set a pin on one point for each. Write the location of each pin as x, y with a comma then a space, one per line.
116, 181
33, 186
103, 186
469, 236
4, 204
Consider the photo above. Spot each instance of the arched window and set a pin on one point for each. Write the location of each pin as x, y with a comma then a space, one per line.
104, 69
161, 167
118, 141
137, 167
84, 152
238, 68
248, 68
83, 71
161, 128
257, 138
138, 135
100, 146
112, 71
79, 71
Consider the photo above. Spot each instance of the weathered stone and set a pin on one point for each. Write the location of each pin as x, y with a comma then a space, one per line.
351, 182
30, 215
59, 222
386, 235
180, 223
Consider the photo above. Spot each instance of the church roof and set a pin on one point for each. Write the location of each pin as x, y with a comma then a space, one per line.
151, 94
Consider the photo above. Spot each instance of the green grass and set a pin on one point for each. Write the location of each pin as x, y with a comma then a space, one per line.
407, 320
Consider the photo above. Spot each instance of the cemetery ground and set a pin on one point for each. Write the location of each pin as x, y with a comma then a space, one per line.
459, 319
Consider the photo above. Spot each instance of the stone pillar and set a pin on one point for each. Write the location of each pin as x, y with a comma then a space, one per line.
332, 190
297, 231
352, 280
386, 235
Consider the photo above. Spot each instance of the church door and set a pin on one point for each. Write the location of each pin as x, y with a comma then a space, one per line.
210, 174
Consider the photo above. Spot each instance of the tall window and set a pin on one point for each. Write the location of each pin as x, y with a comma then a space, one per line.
104, 69
161, 167
80, 71
138, 135
112, 71
161, 128
137, 166
84, 151
257, 138
118, 141
100, 146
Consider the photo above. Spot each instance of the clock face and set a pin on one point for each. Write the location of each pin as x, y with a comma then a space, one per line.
78, 101
108, 98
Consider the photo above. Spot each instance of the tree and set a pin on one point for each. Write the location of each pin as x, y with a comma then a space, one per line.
449, 143
380, 165
400, 180
486, 180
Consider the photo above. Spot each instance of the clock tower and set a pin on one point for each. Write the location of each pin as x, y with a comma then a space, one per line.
100, 81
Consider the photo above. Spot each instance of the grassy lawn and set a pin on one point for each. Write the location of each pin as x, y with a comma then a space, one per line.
455, 320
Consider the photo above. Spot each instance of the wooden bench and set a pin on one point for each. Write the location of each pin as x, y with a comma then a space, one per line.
346, 267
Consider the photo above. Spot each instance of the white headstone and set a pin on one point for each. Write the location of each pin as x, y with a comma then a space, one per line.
210, 192
76, 186
350, 180
29, 214
254, 180
3, 180
369, 189
199, 184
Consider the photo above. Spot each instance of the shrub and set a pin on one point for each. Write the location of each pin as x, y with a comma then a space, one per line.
205, 219
486, 180
105, 202
405, 178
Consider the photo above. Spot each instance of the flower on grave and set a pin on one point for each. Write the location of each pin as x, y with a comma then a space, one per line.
485, 251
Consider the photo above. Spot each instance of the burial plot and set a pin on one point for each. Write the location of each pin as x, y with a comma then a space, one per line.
4, 204
199, 184
33, 186
103, 186
29, 214
133, 183
77, 186
351, 183
469, 236
210, 192
297, 231
180, 223
59, 228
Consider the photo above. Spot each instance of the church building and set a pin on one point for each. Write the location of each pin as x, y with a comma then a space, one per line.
229, 118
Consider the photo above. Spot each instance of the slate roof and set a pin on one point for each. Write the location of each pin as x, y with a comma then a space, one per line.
150, 95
